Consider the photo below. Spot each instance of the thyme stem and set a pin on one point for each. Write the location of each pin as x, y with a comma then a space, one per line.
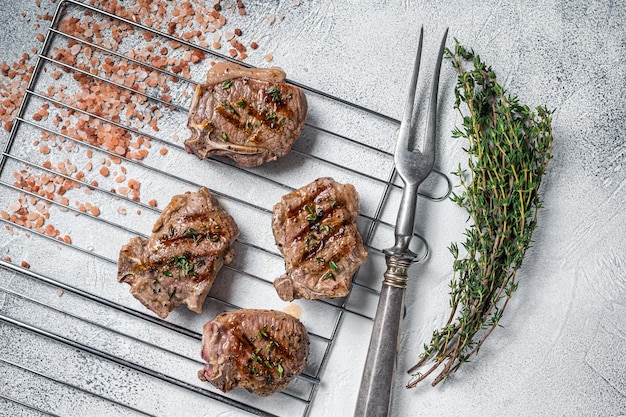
509, 148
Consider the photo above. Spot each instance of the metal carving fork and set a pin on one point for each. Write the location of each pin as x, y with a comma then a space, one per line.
413, 166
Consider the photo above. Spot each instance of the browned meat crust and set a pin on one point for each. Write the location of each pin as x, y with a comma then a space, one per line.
177, 264
259, 350
249, 115
315, 229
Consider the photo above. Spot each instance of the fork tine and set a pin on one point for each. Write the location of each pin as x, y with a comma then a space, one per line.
405, 128
428, 147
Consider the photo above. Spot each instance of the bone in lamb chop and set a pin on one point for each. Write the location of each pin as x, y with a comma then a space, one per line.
177, 264
259, 350
249, 115
315, 229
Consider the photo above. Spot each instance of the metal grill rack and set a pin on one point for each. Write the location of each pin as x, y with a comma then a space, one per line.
68, 301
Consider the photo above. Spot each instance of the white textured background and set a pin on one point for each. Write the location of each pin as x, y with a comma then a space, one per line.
562, 346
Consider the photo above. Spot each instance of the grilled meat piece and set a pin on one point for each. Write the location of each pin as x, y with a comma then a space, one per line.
249, 115
315, 229
260, 350
177, 264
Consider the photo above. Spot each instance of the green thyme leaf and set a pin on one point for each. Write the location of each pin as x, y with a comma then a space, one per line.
194, 235
328, 275
275, 94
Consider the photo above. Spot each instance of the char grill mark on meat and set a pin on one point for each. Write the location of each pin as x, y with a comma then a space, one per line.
315, 229
177, 264
249, 115
259, 350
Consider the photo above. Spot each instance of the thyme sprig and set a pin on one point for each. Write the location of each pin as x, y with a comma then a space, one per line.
509, 147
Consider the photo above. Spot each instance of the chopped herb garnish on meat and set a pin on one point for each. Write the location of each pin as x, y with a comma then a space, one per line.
229, 107
328, 275
263, 333
312, 215
242, 103
224, 137
213, 237
275, 94
226, 84
167, 273
279, 369
320, 260
327, 228
271, 116
194, 235
333, 265
310, 241
271, 344
182, 261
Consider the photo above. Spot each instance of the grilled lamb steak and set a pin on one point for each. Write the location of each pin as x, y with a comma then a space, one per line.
315, 229
249, 115
260, 350
177, 264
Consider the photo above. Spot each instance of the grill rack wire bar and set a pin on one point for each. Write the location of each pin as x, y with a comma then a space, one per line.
42, 59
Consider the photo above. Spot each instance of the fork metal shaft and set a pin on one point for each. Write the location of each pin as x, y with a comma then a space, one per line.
413, 166
404, 224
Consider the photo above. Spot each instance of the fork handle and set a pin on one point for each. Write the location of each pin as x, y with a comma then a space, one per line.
374, 396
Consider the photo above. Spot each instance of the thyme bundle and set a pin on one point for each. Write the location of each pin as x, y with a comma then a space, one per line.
509, 147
